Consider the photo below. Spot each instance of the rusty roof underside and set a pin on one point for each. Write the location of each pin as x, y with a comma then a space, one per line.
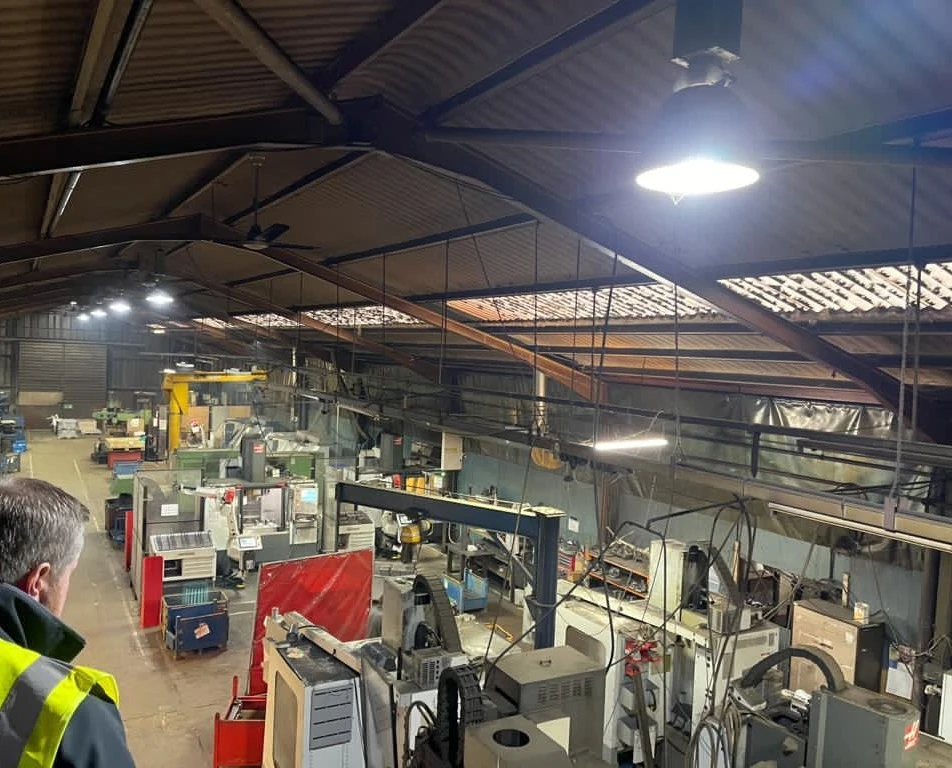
134, 138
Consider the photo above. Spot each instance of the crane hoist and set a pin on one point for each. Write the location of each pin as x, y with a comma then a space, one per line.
176, 388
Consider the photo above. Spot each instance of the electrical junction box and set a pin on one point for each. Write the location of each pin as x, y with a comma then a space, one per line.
451, 452
709, 27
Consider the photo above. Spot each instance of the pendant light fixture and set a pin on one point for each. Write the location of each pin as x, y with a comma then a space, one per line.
701, 142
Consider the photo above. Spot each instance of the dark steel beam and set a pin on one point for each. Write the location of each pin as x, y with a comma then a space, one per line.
564, 374
221, 169
78, 114
502, 224
257, 303
238, 23
78, 150
402, 138
167, 230
913, 127
788, 150
43, 276
368, 45
585, 34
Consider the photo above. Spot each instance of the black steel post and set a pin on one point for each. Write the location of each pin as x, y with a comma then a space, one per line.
545, 583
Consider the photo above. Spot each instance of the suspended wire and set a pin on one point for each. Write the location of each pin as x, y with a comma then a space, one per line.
901, 415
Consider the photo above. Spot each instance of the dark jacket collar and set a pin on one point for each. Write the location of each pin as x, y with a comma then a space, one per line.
28, 624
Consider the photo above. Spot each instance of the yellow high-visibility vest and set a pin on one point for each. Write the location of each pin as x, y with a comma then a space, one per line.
38, 697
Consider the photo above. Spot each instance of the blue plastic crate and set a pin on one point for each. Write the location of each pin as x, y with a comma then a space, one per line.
19, 446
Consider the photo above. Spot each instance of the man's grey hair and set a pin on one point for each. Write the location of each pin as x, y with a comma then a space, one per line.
39, 523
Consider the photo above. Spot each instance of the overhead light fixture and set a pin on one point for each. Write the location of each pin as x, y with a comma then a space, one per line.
630, 444
98, 312
167, 370
120, 306
183, 364
701, 142
158, 331
159, 298
83, 317
73, 303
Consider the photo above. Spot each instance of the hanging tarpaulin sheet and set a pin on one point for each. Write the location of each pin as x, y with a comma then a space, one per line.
331, 591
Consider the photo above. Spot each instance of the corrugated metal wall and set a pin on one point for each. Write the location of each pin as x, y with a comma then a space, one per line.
78, 371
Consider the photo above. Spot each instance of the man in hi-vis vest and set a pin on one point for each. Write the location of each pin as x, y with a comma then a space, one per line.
52, 714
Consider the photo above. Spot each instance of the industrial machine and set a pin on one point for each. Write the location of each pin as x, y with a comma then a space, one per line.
175, 386
315, 710
186, 556
838, 726
419, 641
161, 504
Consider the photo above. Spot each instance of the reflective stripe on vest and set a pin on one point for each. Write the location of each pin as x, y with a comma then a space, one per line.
38, 696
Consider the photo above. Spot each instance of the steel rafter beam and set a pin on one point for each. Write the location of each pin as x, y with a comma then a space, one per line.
403, 139
167, 230
78, 150
368, 45
563, 46
581, 383
79, 113
501, 224
317, 176
256, 303
821, 151
238, 23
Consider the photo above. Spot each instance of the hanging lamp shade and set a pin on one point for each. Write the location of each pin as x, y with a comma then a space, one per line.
701, 144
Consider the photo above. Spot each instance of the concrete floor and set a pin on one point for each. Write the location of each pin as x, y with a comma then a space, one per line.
168, 706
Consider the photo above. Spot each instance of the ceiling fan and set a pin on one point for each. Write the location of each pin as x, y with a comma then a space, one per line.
258, 238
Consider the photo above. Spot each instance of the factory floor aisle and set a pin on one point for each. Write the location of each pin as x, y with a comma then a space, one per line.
168, 706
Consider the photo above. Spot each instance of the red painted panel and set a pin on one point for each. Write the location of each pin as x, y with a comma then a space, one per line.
150, 601
331, 591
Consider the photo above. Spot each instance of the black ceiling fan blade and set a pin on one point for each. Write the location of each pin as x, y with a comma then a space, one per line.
272, 232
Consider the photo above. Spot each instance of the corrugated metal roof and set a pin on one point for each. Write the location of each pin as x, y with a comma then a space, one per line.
234, 191
460, 42
129, 194
633, 302
379, 201
853, 291
40, 47
492, 260
810, 69
186, 65
21, 208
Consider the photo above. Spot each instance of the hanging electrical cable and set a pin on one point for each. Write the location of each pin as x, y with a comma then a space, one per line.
901, 415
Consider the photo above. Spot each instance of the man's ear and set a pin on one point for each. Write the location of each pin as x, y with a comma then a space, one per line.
37, 581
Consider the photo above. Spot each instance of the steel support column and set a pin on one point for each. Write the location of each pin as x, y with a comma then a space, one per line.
540, 526
545, 585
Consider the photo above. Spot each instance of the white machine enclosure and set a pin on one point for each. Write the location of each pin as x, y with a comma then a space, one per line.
314, 716
737, 654
186, 556
585, 628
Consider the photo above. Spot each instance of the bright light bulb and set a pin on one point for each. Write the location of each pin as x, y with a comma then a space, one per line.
167, 370
630, 444
97, 312
158, 331
159, 298
82, 317
73, 303
697, 176
119, 306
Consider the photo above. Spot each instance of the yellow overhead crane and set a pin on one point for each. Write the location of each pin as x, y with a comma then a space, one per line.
176, 386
